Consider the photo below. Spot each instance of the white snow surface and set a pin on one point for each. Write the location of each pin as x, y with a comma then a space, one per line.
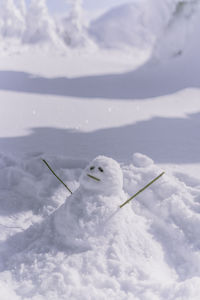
159, 27
73, 108
149, 249
137, 26
108, 174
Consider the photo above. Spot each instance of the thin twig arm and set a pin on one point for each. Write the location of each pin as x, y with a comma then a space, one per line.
56, 175
140, 191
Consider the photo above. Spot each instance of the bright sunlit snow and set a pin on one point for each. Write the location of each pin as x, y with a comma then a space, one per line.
108, 95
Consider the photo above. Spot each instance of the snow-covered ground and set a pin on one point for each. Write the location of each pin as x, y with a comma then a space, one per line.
149, 250
137, 103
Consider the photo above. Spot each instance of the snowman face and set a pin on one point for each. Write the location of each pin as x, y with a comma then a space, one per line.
102, 175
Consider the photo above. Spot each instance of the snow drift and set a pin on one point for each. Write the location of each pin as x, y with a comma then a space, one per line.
150, 249
146, 24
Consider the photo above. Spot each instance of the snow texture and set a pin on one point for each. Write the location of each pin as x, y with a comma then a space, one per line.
149, 21
162, 27
87, 212
86, 247
40, 27
54, 245
12, 23
71, 27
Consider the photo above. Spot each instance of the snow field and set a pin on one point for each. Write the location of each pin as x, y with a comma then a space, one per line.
148, 250
57, 246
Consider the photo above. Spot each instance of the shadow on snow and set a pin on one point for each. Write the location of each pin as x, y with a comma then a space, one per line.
166, 140
149, 81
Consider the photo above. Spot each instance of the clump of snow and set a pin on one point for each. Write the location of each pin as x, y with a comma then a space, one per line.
141, 160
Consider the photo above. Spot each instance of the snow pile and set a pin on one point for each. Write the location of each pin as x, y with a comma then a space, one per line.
27, 188
142, 24
126, 26
89, 248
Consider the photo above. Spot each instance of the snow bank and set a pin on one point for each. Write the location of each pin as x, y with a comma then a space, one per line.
146, 24
127, 26
150, 248
137, 26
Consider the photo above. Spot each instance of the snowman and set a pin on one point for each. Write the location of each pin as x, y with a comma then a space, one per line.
93, 210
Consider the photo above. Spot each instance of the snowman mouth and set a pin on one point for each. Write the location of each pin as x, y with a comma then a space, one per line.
95, 178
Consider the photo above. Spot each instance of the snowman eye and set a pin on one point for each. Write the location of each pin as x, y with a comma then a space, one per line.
92, 168
100, 169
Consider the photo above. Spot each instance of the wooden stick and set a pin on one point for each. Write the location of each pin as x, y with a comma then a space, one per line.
95, 178
56, 175
144, 188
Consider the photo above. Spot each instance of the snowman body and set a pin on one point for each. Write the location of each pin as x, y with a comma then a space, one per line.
93, 210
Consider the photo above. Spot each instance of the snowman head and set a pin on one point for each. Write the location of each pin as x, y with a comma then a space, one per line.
102, 175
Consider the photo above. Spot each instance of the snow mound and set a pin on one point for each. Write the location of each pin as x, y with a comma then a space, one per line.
141, 160
123, 26
136, 24
89, 248
161, 27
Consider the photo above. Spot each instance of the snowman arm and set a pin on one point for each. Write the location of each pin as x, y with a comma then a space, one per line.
56, 175
144, 188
